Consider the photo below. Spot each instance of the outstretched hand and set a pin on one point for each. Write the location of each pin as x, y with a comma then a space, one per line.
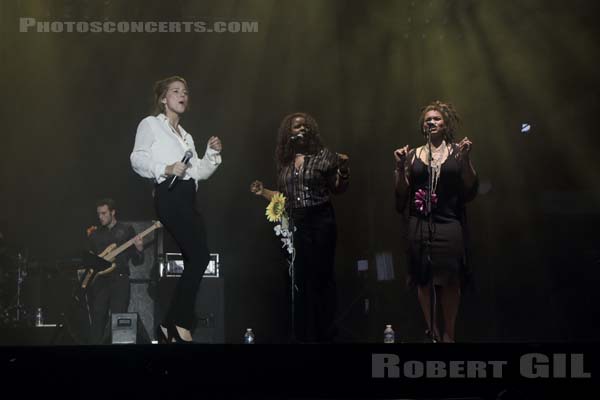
343, 161
464, 148
256, 187
400, 156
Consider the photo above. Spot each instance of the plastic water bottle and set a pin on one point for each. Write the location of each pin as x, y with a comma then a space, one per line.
39, 319
388, 334
249, 336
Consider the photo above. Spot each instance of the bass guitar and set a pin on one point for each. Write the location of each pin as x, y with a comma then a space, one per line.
110, 253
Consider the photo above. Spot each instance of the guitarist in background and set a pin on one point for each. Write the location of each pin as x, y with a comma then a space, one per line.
111, 291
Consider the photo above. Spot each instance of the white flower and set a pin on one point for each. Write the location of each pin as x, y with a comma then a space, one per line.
286, 236
285, 223
287, 243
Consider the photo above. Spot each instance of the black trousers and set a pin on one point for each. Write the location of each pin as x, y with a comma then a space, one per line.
176, 211
316, 298
107, 293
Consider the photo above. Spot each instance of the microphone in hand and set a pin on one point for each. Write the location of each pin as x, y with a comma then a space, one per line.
186, 158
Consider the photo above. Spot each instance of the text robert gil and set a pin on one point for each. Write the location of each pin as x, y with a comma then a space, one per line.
531, 365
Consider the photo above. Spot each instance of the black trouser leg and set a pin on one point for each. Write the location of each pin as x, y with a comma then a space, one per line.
322, 282
316, 298
302, 244
119, 299
100, 298
108, 293
176, 211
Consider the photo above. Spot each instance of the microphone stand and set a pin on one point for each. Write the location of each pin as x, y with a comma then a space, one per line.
432, 295
292, 269
18, 307
292, 272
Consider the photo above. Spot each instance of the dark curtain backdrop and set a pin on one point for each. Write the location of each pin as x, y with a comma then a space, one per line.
71, 103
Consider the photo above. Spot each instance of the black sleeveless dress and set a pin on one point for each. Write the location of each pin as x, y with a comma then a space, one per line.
446, 260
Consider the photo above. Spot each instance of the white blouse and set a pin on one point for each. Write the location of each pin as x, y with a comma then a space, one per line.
157, 145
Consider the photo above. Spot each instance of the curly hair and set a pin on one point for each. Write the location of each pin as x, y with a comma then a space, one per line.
160, 91
284, 151
449, 114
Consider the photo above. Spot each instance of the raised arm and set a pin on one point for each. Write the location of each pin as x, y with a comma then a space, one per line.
468, 173
258, 189
342, 176
203, 168
402, 184
135, 252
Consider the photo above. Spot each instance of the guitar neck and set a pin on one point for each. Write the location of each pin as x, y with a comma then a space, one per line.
128, 243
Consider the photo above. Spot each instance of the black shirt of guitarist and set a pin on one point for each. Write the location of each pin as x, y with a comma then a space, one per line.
118, 234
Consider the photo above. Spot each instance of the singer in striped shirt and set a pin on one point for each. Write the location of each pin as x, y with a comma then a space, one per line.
308, 174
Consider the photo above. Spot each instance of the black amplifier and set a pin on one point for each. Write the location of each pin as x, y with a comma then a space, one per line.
171, 265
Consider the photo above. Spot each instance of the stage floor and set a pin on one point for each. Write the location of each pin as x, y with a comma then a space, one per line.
308, 370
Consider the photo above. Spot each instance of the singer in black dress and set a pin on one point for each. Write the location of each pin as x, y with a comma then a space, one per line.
454, 183
160, 147
308, 174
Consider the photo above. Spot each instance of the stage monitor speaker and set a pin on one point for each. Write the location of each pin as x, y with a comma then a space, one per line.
127, 329
143, 279
143, 304
209, 308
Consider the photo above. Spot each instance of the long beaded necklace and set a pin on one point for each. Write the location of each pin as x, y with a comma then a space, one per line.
438, 156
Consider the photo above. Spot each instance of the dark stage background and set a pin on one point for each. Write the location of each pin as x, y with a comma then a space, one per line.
71, 103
